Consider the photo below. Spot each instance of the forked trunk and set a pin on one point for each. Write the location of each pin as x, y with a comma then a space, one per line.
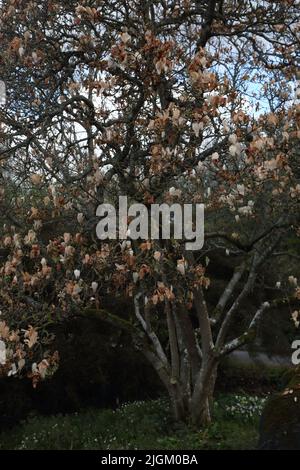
197, 409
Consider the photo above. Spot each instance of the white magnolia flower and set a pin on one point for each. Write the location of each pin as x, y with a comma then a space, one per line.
174, 192
30, 238
235, 149
21, 364
7, 241
76, 290
181, 264
232, 139
201, 165
67, 237
2, 353
94, 286
293, 280
13, 370
80, 218
21, 51
125, 37
176, 113
123, 245
77, 273
241, 189
246, 210
197, 127
37, 224
295, 316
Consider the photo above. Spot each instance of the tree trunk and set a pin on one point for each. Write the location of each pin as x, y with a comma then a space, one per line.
196, 409
202, 399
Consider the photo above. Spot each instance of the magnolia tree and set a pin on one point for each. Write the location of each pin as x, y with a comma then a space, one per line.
176, 102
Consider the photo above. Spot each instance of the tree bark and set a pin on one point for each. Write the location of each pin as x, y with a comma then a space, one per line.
202, 400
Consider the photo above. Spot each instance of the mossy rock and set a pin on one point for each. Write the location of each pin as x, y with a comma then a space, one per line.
280, 422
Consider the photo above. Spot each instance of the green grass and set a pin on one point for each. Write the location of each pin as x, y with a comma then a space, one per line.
140, 425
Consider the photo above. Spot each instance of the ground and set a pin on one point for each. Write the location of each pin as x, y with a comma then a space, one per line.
141, 425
